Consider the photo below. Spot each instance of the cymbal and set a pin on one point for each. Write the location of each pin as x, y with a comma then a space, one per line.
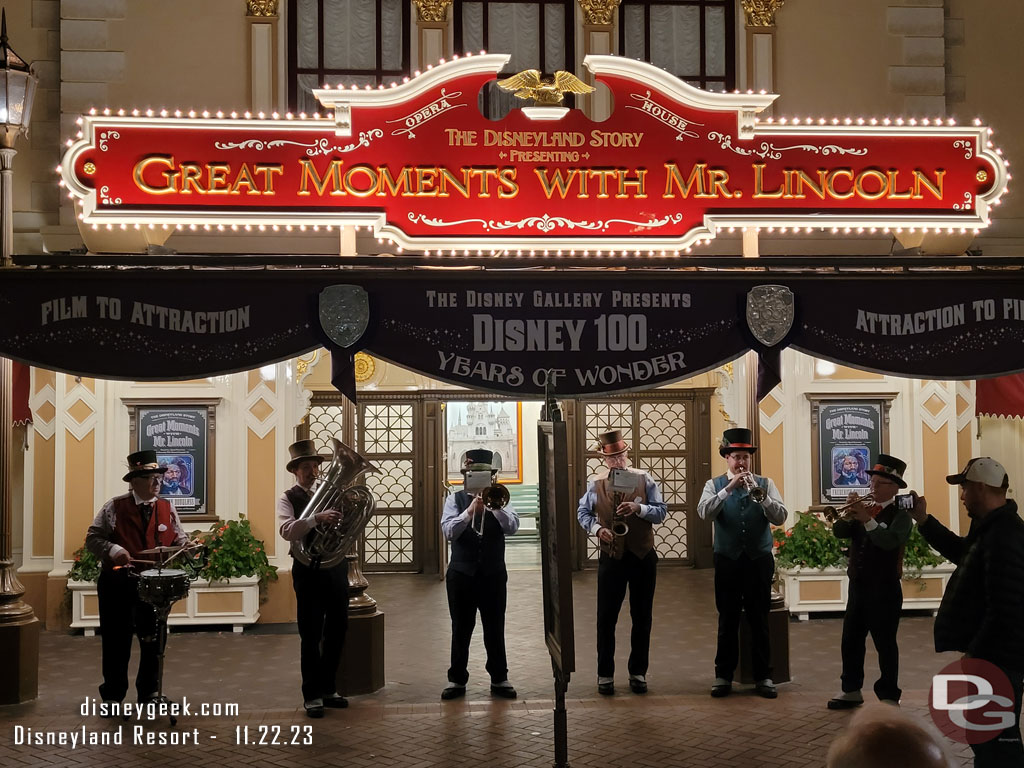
161, 550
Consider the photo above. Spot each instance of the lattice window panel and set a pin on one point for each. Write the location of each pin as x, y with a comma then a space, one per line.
389, 540
392, 487
387, 428
604, 417
670, 472
325, 422
659, 447
662, 427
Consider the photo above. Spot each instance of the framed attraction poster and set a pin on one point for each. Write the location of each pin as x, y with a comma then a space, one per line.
847, 434
182, 434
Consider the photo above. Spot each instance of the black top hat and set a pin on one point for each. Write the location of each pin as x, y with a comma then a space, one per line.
611, 443
479, 459
890, 467
737, 439
143, 463
300, 451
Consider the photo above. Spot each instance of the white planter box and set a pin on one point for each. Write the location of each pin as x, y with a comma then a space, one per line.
235, 602
809, 590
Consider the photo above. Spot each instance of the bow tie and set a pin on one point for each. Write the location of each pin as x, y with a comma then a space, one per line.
145, 510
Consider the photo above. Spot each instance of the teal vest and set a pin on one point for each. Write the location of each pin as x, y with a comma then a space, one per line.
741, 526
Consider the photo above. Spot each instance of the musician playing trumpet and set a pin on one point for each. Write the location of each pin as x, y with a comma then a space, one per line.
476, 579
878, 532
627, 560
742, 504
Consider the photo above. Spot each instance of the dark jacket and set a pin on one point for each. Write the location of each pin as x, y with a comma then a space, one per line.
982, 610
877, 556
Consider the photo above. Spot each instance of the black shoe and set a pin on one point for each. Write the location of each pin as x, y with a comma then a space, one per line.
721, 690
314, 708
636, 685
453, 692
843, 704
766, 689
334, 701
504, 691
606, 689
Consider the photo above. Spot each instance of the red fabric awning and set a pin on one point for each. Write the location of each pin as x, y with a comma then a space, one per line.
1002, 396
20, 375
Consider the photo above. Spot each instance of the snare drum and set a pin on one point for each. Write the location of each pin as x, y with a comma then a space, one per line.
162, 587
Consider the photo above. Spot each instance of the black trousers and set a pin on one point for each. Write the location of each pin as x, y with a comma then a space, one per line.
488, 594
122, 617
613, 577
321, 598
1004, 750
873, 608
743, 584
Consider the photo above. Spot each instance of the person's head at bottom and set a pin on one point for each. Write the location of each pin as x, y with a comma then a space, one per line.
883, 736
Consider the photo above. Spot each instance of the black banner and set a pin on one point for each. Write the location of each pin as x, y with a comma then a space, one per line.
592, 334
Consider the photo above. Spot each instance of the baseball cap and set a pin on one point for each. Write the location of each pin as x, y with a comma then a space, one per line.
981, 470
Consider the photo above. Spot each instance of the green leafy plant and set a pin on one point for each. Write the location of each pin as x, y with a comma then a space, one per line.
808, 544
233, 550
918, 555
86, 567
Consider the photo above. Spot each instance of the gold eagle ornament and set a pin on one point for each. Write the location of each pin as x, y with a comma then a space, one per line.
547, 92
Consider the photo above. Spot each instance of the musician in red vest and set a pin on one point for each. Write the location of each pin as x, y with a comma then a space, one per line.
321, 594
124, 527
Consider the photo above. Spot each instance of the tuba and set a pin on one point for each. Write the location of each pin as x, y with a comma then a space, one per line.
325, 547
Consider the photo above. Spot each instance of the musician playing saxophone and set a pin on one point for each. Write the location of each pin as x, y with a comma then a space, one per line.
744, 565
321, 594
627, 560
476, 579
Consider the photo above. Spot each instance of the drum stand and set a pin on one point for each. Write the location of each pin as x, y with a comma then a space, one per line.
162, 611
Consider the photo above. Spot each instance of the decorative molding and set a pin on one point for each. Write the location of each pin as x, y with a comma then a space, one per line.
263, 8
965, 390
364, 367
761, 13
432, 10
599, 12
942, 416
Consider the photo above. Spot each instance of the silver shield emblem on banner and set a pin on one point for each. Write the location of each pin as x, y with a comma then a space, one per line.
344, 313
770, 313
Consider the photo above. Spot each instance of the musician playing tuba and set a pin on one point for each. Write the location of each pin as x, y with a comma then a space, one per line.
476, 523
632, 503
321, 593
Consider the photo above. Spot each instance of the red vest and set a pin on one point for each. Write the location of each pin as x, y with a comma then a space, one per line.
128, 531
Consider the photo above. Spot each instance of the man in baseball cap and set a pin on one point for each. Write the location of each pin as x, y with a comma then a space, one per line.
980, 613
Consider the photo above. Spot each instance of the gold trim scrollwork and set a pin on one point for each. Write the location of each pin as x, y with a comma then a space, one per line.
431, 10
598, 11
261, 7
761, 13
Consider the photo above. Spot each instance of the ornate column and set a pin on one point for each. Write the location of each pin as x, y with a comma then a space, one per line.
261, 16
432, 31
598, 38
19, 627
760, 36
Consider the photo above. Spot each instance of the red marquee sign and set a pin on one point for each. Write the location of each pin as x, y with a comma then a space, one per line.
420, 165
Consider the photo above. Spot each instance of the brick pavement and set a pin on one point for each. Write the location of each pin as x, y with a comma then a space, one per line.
406, 725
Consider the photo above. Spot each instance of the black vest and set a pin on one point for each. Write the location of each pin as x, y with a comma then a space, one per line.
472, 553
871, 563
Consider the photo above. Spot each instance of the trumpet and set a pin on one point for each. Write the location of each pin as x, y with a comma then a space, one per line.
834, 514
494, 496
757, 493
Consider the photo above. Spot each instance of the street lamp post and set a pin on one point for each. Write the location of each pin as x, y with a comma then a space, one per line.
19, 627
